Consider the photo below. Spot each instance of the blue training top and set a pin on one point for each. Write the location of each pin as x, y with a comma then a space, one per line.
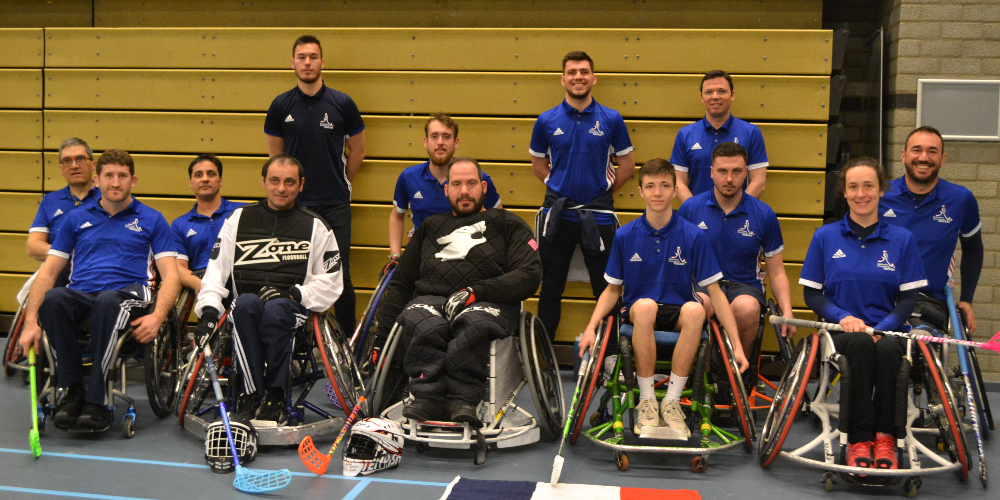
419, 191
194, 234
54, 205
695, 142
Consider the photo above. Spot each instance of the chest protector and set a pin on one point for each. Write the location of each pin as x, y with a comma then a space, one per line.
272, 248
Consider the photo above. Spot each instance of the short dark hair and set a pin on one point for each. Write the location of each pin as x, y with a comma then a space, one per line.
863, 161
657, 166
116, 157
444, 119
463, 159
282, 158
76, 141
925, 128
729, 150
716, 73
205, 157
578, 55
304, 39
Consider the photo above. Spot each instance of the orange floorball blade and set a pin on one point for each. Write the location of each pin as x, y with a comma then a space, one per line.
314, 460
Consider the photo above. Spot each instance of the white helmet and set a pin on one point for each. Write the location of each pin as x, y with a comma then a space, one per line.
217, 451
374, 444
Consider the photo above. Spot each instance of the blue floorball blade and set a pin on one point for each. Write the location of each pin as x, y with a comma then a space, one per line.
261, 481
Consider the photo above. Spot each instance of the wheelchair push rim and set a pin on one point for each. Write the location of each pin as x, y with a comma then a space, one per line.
542, 375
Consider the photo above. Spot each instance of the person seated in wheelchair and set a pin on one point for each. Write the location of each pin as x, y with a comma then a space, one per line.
458, 287
862, 272
656, 260
111, 245
281, 260
740, 228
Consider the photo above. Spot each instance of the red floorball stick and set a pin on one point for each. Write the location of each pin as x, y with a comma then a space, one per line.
316, 461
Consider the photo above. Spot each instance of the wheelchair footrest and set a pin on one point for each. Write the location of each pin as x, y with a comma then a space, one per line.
649, 432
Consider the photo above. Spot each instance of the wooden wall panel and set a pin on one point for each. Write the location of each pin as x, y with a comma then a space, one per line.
22, 48
10, 284
22, 170
22, 88
18, 210
21, 130
13, 248
46, 13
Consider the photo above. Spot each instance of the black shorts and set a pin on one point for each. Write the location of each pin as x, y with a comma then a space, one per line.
733, 289
666, 317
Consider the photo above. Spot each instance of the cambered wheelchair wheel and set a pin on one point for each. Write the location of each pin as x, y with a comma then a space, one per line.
787, 399
363, 342
338, 361
591, 377
200, 385
943, 409
13, 352
738, 404
161, 364
542, 375
385, 387
785, 345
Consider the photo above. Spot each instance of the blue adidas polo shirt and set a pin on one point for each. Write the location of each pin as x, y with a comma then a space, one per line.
579, 146
54, 205
948, 211
315, 129
695, 142
194, 234
419, 191
110, 252
662, 265
863, 277
738, 239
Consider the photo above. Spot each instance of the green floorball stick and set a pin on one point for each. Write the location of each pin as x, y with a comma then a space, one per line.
33, 436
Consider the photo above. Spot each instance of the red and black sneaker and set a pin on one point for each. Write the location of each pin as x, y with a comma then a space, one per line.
860, 455
885, 451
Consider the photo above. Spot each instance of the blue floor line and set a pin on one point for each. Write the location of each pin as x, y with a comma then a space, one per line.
74, 494
358, 488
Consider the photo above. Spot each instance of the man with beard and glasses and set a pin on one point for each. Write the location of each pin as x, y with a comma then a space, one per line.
740, 229
937, 212
420, 188
313, 123
457, 288
572, 147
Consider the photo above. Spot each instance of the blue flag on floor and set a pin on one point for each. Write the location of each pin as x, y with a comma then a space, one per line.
477, 489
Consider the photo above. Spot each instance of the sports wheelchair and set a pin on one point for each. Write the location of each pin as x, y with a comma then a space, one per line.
608, 424
319, 351
930, 401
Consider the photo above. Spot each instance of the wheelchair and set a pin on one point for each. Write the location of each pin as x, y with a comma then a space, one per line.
707, 394
363, 341
929, 401
524, 358
320, 351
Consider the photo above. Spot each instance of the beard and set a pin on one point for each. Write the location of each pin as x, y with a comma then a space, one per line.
911, 173
477, 205
580, 96
440, 162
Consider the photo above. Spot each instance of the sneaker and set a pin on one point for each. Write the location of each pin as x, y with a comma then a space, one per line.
94, 417
247, 405
271, 410
673, 416
885, 451
648, 416
860, 455
461, 411
422, 410
70, 407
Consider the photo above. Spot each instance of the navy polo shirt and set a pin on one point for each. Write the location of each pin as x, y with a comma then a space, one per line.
695, 142
110, 252
194, 234
54, 205
948, 211
579, 146
661, 265
315, 130
863, 277
419, 191
738, 239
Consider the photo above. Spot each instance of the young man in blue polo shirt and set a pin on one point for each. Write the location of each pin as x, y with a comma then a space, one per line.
937, 212
572, 148
656, 260
420, 188
113, 245
692, 155
313, 123
195, 232
741, 229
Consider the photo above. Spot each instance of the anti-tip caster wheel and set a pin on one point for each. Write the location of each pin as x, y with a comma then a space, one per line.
480, 458
41, 423
128, 426
622, 460
422, 446
828, 481
699, 463
596, 418
911, 486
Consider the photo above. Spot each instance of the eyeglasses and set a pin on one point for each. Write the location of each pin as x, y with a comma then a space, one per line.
68, 162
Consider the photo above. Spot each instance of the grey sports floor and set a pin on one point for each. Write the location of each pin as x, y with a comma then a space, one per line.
164, 461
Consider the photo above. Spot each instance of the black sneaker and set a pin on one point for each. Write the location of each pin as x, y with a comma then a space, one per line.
271, 410
70, 407
461, 411
94, 417
247, 405
423, 410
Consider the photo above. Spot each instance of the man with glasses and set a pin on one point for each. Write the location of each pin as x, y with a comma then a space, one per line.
76, 164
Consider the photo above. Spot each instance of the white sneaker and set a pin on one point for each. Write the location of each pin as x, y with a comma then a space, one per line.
673, 416
648, 416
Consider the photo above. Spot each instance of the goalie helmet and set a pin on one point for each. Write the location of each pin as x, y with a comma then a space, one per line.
217, 452
374, 444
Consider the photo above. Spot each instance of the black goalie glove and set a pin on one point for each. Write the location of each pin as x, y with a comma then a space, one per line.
458, 301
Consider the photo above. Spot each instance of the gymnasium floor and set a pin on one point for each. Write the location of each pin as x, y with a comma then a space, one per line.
164, 461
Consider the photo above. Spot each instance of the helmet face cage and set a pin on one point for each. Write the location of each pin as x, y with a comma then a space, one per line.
217, 451
374, 445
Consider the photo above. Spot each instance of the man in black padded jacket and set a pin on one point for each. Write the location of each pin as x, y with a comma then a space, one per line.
458, 287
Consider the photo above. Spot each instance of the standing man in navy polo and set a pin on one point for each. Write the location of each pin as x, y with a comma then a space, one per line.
692, 155
195, 232
740, 229
938, 213
572, 147
113, 245
420, 188
314, 123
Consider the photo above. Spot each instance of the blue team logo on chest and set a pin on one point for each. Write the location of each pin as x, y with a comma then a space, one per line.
325, 123
745, 230
884, 262
676, 259
942, 216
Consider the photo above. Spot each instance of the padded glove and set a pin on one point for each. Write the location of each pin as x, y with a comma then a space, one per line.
267, 293
207, 323
458, 301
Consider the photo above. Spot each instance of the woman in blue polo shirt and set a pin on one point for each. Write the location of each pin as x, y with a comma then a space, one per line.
862, 272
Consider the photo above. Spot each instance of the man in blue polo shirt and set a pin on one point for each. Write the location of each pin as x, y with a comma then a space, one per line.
313, 123
112, 244
692, 155
195, 232
572, 147
420, 188
741, 229
937, 212
655, 262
